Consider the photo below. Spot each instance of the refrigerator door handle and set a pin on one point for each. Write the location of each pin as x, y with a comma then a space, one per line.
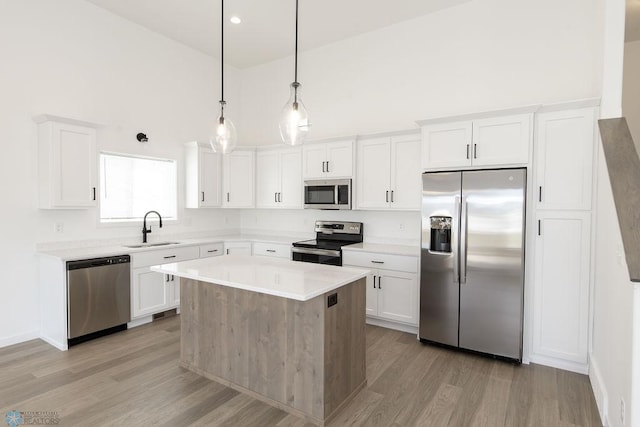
455, 248
463, 241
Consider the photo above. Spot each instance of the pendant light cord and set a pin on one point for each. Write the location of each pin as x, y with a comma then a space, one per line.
296, 56
222, 58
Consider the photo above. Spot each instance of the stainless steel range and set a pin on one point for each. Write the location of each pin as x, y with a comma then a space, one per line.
326, 248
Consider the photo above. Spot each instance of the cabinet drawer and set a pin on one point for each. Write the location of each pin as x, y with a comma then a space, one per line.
272, 249
164, 256
211, 249
408, 264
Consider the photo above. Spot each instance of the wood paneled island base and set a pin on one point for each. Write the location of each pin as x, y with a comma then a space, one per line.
301, 356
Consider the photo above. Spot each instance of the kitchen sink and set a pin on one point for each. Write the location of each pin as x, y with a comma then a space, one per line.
150, 245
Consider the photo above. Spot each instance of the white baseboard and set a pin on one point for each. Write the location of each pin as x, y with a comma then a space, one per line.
580, 368
62, 346
393, 325
17, 339
139, 322
599, 390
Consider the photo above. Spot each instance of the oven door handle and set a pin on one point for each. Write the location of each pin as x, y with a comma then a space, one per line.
315, 251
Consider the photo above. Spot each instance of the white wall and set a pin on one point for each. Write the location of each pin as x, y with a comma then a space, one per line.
73, 59
611, 359
631, 90
479, 56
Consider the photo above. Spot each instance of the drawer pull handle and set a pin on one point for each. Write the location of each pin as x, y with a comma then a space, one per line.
212, 250
271, 250
377, 262
169, 257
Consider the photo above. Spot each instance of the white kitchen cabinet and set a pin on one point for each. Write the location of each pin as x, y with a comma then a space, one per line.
238, 182
278, 250
237, 248
484, 142
279, 178
203, 176
388, 173
327, 160
561, 289
392, 286
67, 164
564, 159
153, 292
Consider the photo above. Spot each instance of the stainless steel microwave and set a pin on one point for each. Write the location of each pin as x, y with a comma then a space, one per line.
327, 194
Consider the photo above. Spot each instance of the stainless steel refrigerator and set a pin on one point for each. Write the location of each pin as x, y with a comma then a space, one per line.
472, 260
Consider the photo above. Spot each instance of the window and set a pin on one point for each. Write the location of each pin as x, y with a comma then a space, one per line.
131, 186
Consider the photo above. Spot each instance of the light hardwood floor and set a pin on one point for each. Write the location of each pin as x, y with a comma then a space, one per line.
133, 379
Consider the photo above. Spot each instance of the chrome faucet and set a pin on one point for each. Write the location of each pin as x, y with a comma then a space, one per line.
146, 231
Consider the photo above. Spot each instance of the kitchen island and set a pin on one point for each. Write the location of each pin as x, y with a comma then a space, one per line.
288, 333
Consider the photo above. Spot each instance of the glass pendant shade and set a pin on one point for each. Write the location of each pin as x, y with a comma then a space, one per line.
294, 120
224, 139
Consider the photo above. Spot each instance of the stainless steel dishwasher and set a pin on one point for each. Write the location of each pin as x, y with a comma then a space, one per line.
98, 297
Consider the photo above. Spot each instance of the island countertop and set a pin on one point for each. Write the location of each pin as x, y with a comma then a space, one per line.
272, 276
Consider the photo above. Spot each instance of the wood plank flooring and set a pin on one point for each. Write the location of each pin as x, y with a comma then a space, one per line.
132, 378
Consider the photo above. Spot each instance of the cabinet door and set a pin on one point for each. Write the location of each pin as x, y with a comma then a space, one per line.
267, 178
73, 166
149, 293
446, 145
238, 179
372, 294
237, 248
339, 159
561, 286
209, 173
501, 140
372, 186
564, 159
290, 179
313, 161
398, 296
406, 182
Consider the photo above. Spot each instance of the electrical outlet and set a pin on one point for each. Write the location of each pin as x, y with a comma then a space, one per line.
59, 227
622, 411
401, 226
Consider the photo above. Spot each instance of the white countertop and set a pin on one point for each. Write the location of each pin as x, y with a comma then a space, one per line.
300, 281
86, 252
384, 248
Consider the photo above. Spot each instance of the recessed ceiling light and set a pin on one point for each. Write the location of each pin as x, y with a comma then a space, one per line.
235, 20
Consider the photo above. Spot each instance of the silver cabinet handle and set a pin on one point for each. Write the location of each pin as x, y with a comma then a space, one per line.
379, 282
391, 196
467, 151
386, 197
540, 193
323, 166
377, 262
203, 196
275, 197
212, 250
271, 250
539, 228
227, 197
169, 257
475, 151
374, 282
327, 166
94, 193
279, 197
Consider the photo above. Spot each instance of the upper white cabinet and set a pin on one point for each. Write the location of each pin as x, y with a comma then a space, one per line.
328, 160
389, 173
279, 178
67, 164
564, 159
496, 141
203, 176
238, 183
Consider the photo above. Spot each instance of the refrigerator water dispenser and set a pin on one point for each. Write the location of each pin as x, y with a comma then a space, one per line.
440, 234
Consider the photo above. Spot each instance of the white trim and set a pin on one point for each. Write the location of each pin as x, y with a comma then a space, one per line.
571, 105
53, 118
581, 368
480, 115
139, 322
599, 390
17, 339
62, 346
393, 325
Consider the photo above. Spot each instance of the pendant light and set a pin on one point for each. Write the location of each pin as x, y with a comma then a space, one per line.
224, 139
294, 120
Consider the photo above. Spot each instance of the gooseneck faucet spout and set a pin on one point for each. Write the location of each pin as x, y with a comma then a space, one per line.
146, 230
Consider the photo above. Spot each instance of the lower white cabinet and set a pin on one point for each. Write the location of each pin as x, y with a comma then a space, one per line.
237, 248
392, 286
561, 289
153, 292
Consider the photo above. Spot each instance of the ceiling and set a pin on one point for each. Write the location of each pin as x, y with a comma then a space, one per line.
632, 22
268, 27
